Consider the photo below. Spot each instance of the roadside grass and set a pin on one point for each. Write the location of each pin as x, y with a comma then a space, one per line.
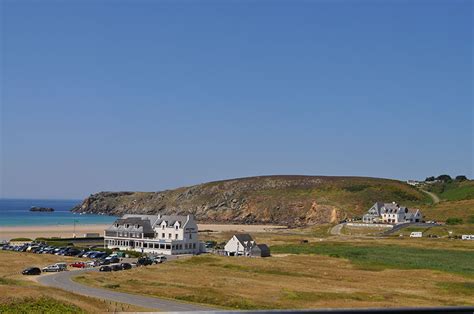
22, 294
463, 209
284, 282
40, 305
381, 257
441, 231
464, 288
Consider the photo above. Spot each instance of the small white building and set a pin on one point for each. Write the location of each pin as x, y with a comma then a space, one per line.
416, 234
244, 245
156, 234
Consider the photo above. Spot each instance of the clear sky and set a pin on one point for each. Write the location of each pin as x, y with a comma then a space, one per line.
150, 95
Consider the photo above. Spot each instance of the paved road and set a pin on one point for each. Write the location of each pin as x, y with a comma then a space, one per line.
63, 281
413, 224
433, 196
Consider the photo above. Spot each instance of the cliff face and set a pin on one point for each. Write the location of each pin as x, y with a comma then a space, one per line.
286, 200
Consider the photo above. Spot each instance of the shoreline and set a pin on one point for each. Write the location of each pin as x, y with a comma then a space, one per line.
67, 231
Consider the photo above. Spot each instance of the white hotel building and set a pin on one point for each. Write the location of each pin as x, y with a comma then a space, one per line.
157, 234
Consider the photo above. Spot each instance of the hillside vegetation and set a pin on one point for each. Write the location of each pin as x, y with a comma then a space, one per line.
457, 201
286, 200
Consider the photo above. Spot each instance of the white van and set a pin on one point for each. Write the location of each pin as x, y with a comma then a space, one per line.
467, 237
416, 234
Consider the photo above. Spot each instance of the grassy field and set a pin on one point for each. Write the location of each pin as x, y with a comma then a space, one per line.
292, 281
21, 294
379, 257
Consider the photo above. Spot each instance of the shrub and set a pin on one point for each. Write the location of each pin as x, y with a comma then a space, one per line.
21, 239
470, 219
445, 178
461, 178
454, 221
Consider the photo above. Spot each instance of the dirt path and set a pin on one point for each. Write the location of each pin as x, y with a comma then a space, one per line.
433, 196
336, 230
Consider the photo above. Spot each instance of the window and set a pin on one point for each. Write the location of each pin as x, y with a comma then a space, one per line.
176, 227
127, 225
176, 236
163, 235
190, 235
169, 235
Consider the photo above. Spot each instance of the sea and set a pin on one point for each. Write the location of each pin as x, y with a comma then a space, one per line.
16, 212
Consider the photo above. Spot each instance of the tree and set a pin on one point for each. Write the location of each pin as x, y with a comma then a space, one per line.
444, 178
461, 178
430, 179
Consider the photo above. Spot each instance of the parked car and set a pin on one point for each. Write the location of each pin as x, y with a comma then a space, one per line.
144, 261
52, 268
105, 268
126, 266
78, 265
104, 262
91, 264
116, 267
159, 259
31, 271
113, 259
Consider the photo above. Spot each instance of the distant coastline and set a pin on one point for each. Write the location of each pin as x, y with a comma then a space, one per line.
16, 212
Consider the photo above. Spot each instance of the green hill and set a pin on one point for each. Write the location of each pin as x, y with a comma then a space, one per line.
287, 200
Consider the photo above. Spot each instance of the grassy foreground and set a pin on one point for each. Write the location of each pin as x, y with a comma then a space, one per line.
289, 281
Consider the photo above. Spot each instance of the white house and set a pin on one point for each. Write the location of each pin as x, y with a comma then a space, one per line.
244, 245
391, 213
157, 234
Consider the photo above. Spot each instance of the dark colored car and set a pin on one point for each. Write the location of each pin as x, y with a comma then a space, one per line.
144, 261
113, 259
105, 268
104, 262
116, 267
31, 271
126, 266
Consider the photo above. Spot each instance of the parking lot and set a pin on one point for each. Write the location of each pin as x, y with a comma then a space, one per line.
86, 258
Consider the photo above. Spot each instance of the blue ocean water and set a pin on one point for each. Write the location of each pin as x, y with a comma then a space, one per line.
16, 212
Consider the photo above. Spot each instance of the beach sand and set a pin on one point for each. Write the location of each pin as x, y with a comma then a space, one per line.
67, 231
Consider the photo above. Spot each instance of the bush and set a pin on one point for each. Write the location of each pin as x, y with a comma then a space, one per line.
454, 221
444, 178
461, 178
470, 219
21, 239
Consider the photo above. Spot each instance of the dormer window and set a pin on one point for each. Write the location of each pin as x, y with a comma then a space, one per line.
127, 225
116, 225
176, 227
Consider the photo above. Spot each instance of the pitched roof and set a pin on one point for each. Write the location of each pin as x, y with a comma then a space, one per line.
134, 223
243, 237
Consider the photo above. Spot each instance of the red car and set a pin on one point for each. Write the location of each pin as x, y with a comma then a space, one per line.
78, 265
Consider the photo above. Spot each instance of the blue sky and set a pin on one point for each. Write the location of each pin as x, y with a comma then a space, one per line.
150, 95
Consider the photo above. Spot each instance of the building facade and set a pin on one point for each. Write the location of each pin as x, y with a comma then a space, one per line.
155, 234
391, 213
244, 245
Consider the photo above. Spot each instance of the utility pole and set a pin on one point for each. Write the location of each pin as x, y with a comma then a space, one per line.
74, 232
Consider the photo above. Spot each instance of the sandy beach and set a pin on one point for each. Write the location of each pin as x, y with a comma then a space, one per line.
67, 231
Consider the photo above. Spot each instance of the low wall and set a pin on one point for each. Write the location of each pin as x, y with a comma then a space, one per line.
353, 224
